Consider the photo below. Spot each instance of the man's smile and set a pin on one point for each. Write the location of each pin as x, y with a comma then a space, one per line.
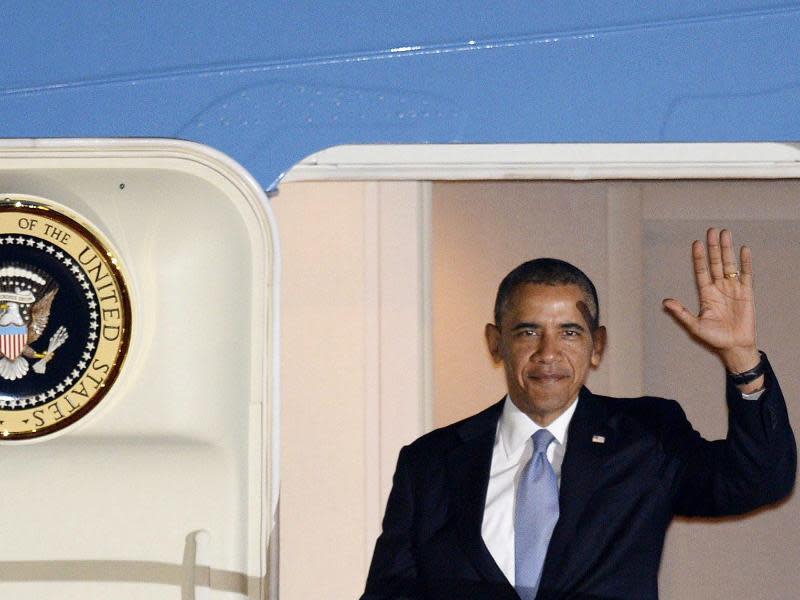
547, 378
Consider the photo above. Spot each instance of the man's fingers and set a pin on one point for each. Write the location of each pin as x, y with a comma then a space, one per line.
701, 275
728, 253
681, 314
746, 261
714, 254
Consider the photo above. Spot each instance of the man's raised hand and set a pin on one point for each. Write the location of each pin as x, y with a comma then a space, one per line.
726, 319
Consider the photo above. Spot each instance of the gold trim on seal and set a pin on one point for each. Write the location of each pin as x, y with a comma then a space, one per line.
34, 401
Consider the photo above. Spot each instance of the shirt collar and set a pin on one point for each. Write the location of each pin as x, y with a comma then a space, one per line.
515, 427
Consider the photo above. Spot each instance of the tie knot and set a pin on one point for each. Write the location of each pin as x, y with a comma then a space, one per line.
541, 440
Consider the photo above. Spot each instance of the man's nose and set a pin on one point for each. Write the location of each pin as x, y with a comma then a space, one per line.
547, 350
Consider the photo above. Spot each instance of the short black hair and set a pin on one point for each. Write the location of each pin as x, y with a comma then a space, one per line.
547, 271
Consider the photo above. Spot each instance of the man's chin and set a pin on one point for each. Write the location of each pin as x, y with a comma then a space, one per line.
544, 405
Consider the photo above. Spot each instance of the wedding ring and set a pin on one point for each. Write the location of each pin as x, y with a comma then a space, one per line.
734, 275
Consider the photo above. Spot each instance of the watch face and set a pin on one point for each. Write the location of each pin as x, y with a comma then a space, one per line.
65, 317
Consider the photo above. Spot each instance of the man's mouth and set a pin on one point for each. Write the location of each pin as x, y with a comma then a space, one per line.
547, 378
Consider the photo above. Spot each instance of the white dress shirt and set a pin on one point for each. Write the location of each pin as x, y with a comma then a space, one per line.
512, 450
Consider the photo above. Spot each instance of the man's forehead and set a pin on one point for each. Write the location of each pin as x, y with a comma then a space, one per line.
535, 291
568, 299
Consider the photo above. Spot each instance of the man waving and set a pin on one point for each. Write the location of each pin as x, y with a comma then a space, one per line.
558, 493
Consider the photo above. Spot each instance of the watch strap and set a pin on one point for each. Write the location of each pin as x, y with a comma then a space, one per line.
751, 374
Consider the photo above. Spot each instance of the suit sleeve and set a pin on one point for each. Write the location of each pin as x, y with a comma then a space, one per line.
755, 465
393, 571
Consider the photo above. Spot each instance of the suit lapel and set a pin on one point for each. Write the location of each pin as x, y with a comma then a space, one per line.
588, 445
469, 466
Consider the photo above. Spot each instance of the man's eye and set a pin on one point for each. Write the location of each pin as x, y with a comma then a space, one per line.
571, 332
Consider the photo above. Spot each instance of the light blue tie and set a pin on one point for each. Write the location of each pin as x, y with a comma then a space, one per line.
535, 516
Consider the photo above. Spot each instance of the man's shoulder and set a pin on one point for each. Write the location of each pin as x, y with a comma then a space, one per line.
637, 404
454, 434
646, 412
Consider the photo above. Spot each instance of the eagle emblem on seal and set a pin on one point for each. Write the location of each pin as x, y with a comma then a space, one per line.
26, 297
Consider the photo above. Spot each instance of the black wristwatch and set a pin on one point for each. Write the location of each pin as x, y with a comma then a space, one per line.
753, 374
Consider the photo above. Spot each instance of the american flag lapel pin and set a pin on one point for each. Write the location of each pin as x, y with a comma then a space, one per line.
599, 439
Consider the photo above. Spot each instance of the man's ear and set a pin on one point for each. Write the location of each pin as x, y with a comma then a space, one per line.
598, 345
493, 341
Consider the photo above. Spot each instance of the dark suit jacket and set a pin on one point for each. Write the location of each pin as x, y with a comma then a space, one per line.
616, 498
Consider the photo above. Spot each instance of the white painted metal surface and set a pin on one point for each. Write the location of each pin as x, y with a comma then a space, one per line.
169, 488
550, 161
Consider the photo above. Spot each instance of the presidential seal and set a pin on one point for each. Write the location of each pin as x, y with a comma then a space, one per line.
64, 317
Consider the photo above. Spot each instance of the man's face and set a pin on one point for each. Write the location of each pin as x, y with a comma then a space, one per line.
547, 346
